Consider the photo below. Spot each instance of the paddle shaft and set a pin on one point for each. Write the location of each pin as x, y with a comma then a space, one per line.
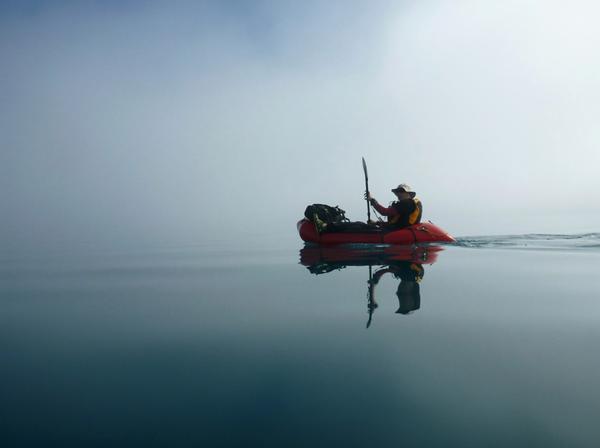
367, 189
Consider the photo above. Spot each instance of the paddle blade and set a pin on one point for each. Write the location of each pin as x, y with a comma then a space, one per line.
365, 168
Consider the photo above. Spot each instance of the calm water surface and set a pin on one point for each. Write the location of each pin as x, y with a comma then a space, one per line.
493, 344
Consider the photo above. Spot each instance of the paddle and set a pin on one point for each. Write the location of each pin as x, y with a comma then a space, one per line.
367, 189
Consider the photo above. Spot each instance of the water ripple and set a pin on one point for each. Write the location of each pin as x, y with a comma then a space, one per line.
590, 241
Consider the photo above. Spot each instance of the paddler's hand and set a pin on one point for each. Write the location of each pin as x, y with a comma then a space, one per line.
370, 198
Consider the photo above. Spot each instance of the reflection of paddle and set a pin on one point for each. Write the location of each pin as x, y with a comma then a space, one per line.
371, 304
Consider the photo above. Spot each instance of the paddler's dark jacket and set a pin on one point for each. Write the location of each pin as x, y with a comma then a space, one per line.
401, 213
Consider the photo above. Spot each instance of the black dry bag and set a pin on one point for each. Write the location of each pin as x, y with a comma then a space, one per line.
326, 213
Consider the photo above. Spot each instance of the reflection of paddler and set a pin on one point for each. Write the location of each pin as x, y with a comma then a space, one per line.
409, 294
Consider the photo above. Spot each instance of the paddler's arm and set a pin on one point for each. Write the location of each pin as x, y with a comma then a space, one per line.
377, 276
385, 211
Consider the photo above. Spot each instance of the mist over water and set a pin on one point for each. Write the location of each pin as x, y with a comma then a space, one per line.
147, 124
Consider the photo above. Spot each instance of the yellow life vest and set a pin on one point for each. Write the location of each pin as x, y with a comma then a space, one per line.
413, 218
418, 270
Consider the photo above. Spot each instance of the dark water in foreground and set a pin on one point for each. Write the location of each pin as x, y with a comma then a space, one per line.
200, 348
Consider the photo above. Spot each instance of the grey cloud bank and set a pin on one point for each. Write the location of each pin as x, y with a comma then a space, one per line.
154, 125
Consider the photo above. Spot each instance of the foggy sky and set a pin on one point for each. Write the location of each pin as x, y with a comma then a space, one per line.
146, 123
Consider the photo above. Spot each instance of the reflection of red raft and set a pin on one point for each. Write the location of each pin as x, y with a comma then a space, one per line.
365, 256
418, 233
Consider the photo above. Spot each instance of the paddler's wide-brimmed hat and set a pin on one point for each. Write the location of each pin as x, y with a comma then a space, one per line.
406, 188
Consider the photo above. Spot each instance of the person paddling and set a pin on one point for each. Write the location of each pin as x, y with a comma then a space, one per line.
406, 211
